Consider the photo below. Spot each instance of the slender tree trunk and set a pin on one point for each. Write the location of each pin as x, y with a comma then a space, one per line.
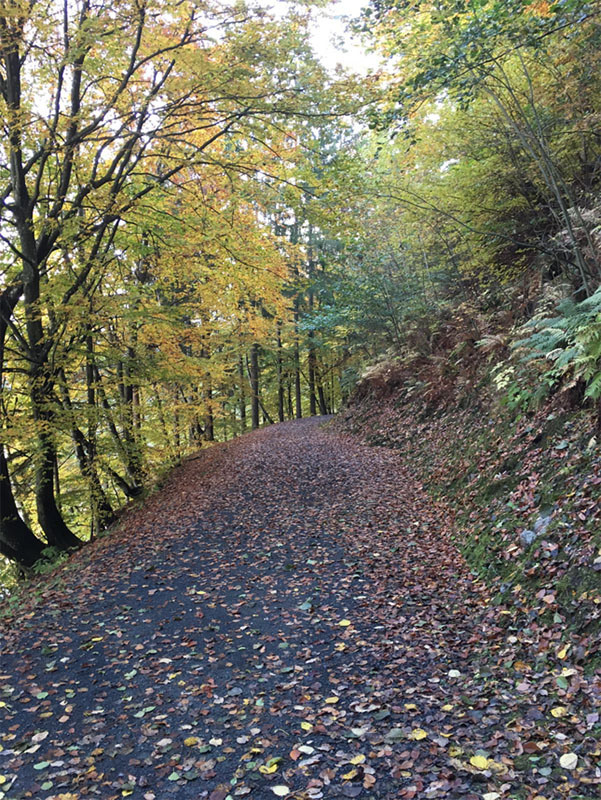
177, 436
323, 405
254, 385
280, 374
312, 355
129, 489
209, 416
294, 235
333, 386
312, 360
224, 421
102, 512
297, 375
131, 432
242, 393
163, 420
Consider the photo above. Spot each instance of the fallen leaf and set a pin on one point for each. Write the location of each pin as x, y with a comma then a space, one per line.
268, 770
568, 761
480, 762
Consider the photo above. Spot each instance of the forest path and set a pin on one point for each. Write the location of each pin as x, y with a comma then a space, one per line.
284, 618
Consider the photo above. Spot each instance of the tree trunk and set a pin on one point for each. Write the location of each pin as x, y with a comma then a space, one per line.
41, 393
102, 514
312, 354
323, 405
280, 374
297, 375
49, 516
254, 385
130, 490
312, 360
209, 416
17, 541
242, 395
131, 433
37, 346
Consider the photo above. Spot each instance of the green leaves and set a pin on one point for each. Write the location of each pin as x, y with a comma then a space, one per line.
565, 348
144, 711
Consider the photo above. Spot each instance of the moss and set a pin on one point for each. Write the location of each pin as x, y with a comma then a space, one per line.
552, 427
498, 488
576, 582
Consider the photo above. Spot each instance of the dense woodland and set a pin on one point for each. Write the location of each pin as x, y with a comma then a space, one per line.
204, 231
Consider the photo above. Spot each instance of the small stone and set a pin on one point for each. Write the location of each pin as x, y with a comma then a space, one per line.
542, 523
527, 537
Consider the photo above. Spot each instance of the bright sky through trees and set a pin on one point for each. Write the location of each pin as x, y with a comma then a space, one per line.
332, 41
334, 44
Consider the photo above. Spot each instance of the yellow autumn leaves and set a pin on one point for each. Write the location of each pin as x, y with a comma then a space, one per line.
268, 770
480, 762
483, 763
191, 741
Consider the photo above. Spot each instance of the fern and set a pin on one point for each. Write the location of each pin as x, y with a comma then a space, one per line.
566, 346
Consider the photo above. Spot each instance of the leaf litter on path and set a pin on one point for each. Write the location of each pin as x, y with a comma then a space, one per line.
288, 617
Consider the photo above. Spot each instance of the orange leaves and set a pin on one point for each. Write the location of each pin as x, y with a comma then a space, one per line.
539, 8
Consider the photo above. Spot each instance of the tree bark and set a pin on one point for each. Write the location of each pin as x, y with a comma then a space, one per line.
323, 405
17, 541
312, 354
297, 375
209, 416
242, 394
254, 385
280, 374
49, 516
